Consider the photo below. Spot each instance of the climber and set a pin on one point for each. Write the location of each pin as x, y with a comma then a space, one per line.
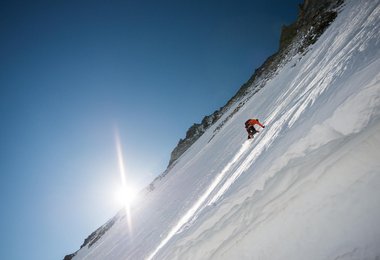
252, 127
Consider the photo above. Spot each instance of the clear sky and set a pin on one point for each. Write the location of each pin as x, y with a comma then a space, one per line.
74, 72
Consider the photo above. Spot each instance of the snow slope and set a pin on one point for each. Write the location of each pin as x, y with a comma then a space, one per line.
306, 187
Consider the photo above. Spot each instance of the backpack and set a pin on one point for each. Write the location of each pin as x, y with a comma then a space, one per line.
247, 124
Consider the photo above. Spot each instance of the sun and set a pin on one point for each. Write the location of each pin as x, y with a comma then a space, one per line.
125, 196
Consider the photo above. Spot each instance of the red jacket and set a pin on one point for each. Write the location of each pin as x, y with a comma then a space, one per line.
252, 122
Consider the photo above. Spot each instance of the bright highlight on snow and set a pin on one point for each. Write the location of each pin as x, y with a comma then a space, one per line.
199, 204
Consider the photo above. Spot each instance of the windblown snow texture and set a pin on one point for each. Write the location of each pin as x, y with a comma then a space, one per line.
307, 186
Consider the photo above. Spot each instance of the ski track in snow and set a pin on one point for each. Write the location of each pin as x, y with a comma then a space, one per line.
320, 145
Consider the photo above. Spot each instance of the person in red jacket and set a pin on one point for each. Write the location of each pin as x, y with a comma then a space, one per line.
252, 125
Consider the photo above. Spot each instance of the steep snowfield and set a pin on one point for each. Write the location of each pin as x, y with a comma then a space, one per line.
306, 187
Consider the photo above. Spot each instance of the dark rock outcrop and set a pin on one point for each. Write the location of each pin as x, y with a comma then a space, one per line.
193, 133
95, 236
69, 257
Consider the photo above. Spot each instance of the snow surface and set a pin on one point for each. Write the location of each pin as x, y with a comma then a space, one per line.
306, 187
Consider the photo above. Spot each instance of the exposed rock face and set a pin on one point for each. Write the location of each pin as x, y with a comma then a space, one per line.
313, 19
95, 236
193, 133
69, 257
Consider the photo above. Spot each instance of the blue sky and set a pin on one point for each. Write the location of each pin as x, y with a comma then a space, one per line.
72, 72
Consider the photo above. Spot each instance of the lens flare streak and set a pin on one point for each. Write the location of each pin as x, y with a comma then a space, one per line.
123, 178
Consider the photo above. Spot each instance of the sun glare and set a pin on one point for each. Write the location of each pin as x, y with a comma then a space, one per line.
125, 196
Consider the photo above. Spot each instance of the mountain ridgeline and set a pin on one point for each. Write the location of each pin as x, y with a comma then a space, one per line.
313, 19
